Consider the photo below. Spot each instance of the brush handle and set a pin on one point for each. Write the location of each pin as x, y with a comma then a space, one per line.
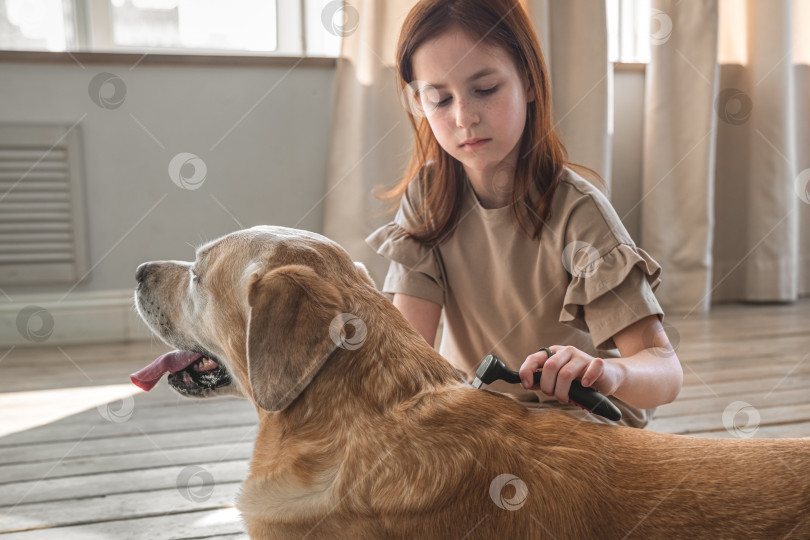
584, 396
590, 399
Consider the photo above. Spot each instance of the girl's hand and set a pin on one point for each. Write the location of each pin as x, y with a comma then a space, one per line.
569, 363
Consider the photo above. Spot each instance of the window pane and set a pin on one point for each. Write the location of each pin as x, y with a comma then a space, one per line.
628, 24
327, 21
248, 25
642, 29
34, 25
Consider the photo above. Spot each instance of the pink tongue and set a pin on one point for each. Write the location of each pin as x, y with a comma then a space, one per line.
170, 362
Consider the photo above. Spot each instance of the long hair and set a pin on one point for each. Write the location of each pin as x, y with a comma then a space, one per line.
542, 158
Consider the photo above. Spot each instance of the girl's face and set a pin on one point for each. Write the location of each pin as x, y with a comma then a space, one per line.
474, 99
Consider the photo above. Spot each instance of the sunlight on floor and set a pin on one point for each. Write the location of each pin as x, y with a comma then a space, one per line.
26, 410
216, 517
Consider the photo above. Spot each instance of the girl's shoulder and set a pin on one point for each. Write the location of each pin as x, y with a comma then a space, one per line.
579, 188
583, 209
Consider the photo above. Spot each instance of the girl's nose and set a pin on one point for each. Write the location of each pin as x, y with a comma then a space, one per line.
466, 114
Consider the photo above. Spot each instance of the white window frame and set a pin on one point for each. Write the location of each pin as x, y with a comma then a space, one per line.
89, 28
94, 31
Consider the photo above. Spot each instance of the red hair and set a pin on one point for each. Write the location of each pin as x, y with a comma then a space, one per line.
542, 158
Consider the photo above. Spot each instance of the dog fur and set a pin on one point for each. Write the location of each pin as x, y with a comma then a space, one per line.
374, 435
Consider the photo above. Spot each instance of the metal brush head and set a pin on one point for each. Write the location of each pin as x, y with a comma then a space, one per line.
492, 369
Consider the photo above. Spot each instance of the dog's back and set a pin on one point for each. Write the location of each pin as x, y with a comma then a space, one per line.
457, 462
498, 470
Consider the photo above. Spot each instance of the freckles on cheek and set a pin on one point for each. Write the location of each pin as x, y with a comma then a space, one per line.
510, 115
440, 130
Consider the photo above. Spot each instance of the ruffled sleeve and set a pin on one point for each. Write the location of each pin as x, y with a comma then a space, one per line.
611, 293
415, 268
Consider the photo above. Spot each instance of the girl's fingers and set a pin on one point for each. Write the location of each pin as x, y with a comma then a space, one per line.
527, 370
566, 376
550, 379
563, 367
532, 363
594, 371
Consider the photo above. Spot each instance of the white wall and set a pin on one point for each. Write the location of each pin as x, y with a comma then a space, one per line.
269, 167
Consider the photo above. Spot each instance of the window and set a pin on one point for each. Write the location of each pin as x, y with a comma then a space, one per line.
37, 25
247, 25
631, 30
262, 27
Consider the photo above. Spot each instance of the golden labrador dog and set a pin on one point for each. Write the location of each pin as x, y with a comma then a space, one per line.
366, 432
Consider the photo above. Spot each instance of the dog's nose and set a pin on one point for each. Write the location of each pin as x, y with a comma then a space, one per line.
140, 273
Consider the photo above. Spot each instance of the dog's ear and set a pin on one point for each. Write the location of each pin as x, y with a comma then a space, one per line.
363, 271
288, 341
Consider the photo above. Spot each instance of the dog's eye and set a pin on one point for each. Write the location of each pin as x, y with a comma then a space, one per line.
194, 277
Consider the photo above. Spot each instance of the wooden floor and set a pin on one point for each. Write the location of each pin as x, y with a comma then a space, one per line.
84, 454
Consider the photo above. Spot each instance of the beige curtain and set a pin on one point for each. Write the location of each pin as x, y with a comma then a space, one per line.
371, 136
573, 35
726, 203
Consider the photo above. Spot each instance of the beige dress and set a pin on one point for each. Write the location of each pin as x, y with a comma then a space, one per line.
506, 294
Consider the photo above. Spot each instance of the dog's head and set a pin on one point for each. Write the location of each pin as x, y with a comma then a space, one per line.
256, 314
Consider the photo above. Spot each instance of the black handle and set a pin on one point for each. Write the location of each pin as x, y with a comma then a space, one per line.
589, 398
584, 396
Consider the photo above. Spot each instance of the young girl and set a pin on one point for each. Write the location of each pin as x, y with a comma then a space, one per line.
495, 227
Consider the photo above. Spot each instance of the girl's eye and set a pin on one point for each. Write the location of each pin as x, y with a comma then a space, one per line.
484, 92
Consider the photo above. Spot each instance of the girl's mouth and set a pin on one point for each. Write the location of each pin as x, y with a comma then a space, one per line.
475, 143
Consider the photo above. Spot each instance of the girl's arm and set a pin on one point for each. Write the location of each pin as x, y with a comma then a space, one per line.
647, 374
422, 314
652, 373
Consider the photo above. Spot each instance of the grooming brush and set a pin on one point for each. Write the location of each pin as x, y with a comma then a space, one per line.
492, 369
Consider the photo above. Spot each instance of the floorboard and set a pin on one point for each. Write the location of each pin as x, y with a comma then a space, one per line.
86, 455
